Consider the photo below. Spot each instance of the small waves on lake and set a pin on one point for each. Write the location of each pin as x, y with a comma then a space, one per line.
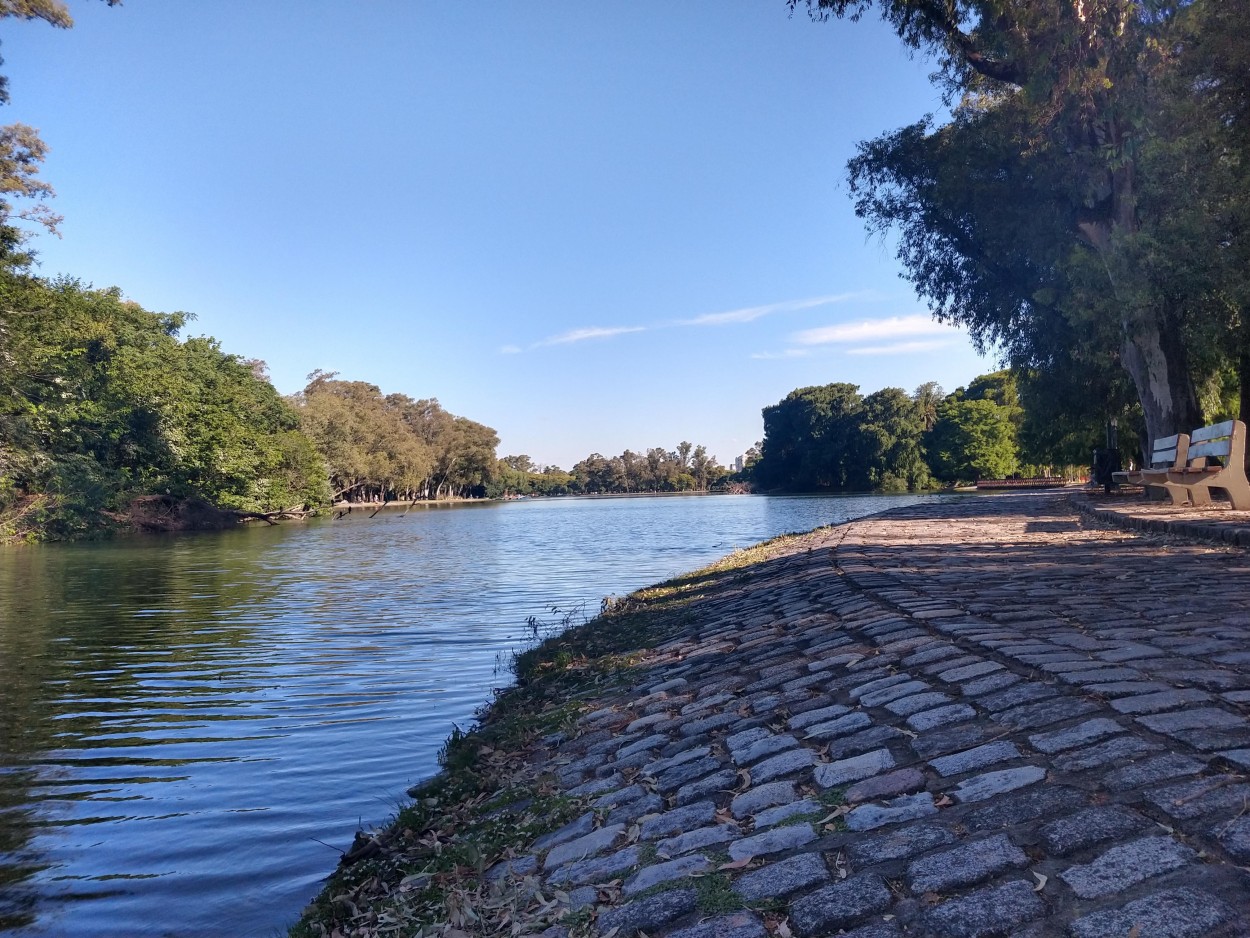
192, 728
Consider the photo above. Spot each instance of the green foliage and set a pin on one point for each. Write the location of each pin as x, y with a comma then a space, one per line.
973, 439
393, 447
831, 438
100, 402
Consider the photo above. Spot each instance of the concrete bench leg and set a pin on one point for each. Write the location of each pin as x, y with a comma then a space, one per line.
1178, 493
1238, 490
1200, 495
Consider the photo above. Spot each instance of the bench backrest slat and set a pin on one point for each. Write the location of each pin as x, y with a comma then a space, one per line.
1214, 448
1213, 432
1170, 451
1224, 441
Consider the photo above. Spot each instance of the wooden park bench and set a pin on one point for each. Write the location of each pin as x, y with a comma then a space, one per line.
1201, 472
1169, 453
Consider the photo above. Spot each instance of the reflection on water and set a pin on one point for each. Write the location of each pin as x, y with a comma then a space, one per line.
183, 721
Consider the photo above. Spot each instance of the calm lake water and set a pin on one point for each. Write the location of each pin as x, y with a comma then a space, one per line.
182, 720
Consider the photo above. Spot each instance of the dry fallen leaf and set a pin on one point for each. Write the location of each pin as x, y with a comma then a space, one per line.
1041, 881
736, 864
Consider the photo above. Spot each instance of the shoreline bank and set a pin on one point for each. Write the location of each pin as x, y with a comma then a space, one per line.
880, 727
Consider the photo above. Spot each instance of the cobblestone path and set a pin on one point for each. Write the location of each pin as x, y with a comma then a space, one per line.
975, 718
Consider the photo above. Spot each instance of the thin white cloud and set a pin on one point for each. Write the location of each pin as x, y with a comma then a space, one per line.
894, 327
901, 348
752, 313
510, 350
583, 335
788, 353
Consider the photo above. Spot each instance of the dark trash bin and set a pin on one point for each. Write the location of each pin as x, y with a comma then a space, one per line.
1106, 462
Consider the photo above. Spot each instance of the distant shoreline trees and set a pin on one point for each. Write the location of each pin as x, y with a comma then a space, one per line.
831, 438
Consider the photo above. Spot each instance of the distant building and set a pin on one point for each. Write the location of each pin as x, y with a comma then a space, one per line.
739, 463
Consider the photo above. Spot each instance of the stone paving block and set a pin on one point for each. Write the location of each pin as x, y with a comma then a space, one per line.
647, 913
877, 698
613, 799
650, 720
707, 724
518, 866
768, 746
762, 796
986, 913
971, 759
861, 742
821, 715
1150, 771
832, 774
980, 787
952, 663
1113, 750
965, 865
951, 739
1207, 718
1089, 827
1237, 757
734, 925
1173, 913
697, 839
1201, 796
654, 741
840, 905
1074, 736
1234, 836
783, 812
1126, 865
839, 727
711, 786
868, 687
903, 808
685, 773
631, 811
1030, 805
582, 847
1036, 715
934, 652
980, 669
899, 844
1129, 688
665, 872
1102, 676
660, 766
1016, 695
906, 706
991, 682
878, 930
780, 879
787, 763
578, 827
745, 738
883, 786
679, 819
596, 869
773, 840
1164, 700
940, 716
596, 787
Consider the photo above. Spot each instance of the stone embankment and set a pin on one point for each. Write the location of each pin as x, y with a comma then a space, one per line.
991, 717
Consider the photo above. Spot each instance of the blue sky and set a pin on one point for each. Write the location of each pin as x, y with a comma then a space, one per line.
589, 226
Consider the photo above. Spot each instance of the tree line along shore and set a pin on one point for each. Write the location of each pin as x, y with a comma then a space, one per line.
1082, 211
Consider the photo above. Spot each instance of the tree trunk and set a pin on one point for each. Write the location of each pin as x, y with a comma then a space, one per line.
1154, 357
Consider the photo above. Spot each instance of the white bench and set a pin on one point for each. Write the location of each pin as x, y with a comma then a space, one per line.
1168, 453
1201, 472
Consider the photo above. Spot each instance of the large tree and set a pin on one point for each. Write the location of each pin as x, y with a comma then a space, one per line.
1055, 102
